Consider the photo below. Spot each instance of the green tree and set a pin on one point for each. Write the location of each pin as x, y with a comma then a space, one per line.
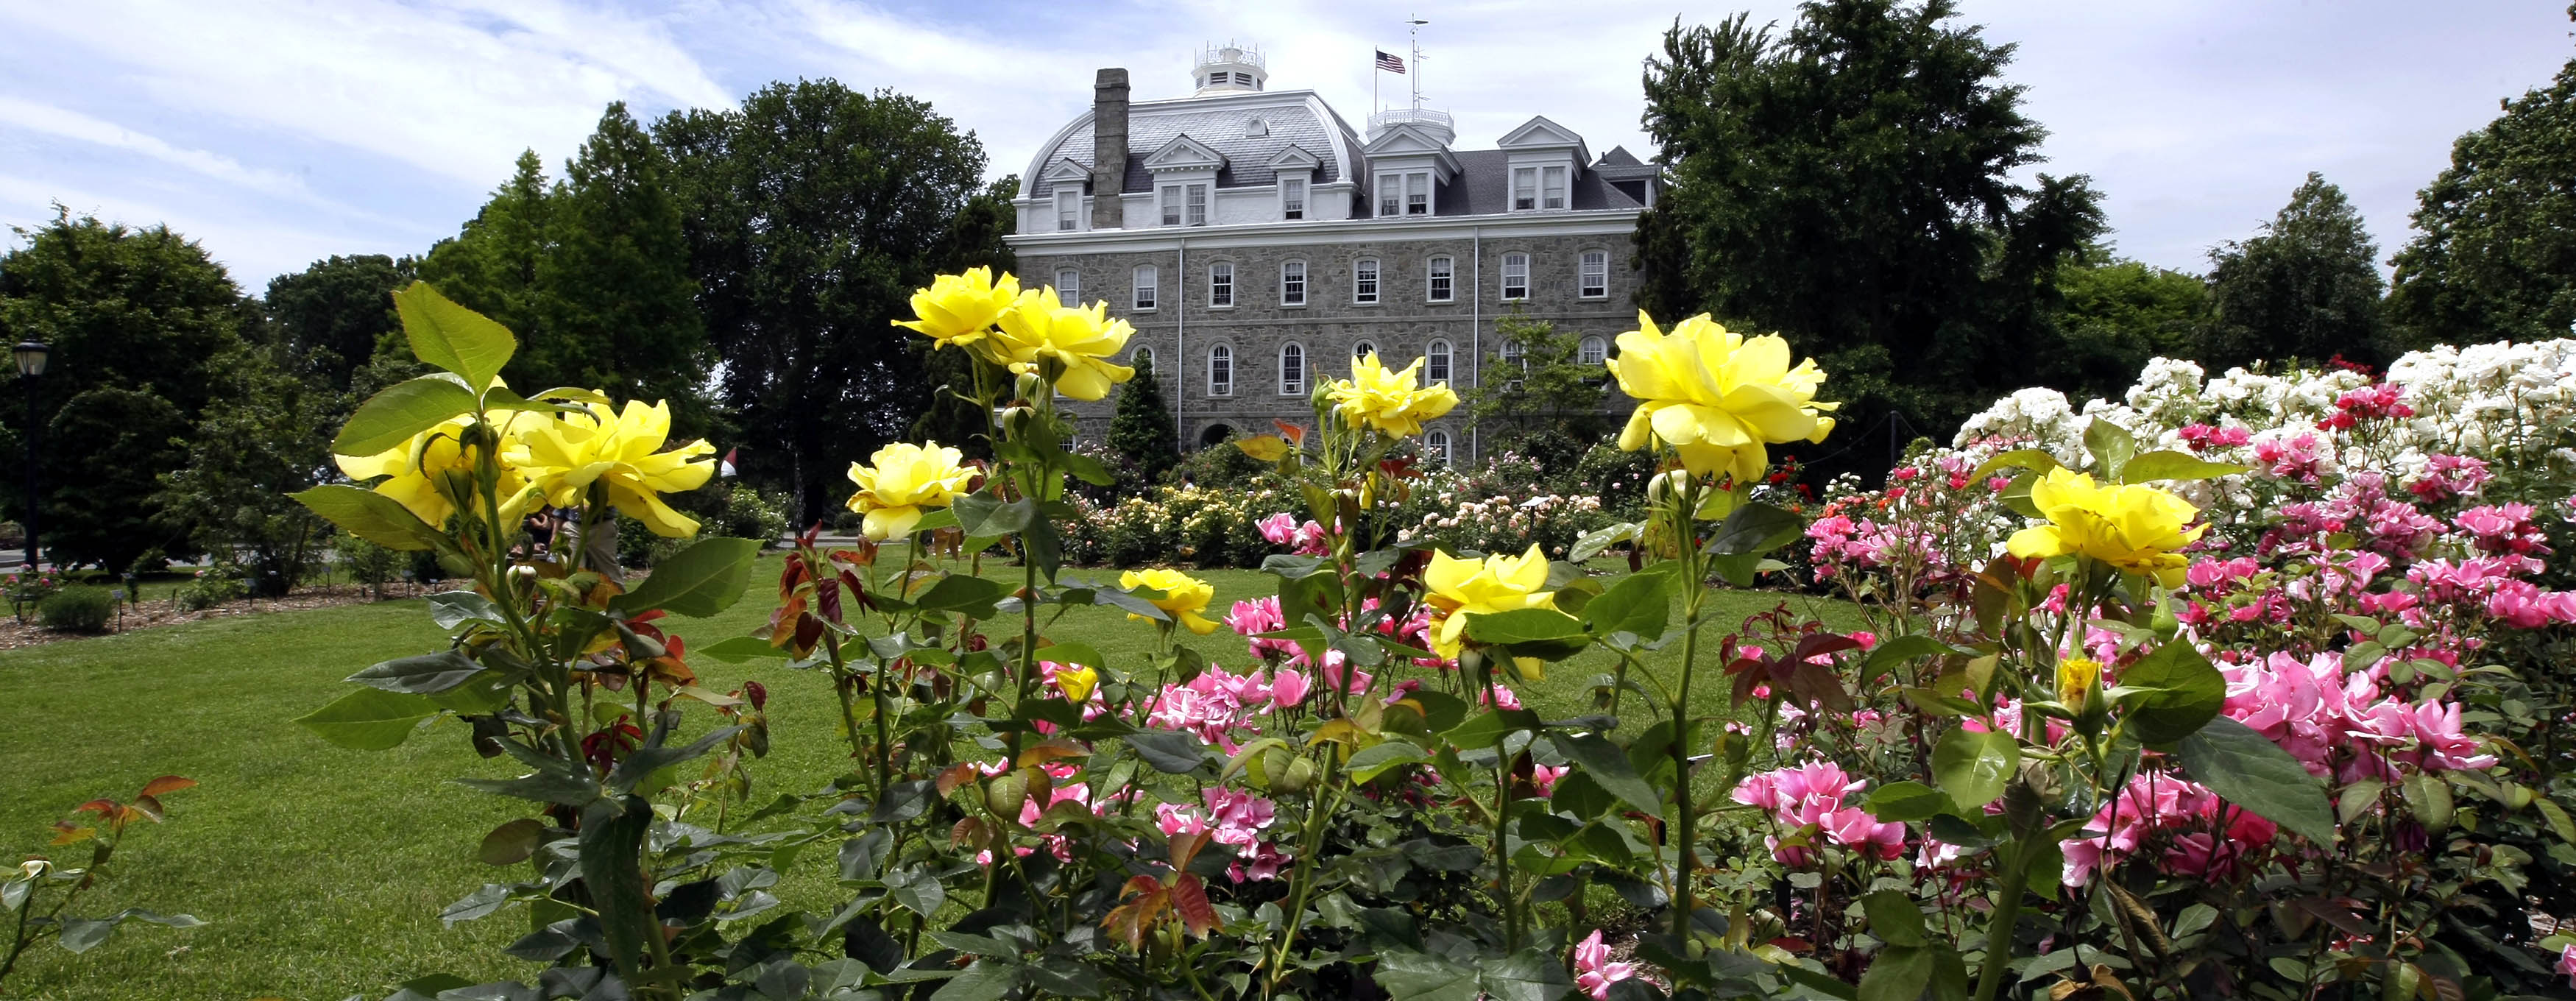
952, 417
813, 211
491, 266
2113, 315
2307, 287
614, 286
136, 319
1537, 398
1141, 428
2494, 253
1850, 184
267, 436
326, 320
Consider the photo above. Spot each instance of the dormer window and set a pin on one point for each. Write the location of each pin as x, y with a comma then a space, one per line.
1256, 128
1524, 189
1068, 210
1292, 198
1417, 194
1551, 188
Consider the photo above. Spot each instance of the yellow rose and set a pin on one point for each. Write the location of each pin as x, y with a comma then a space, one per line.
1392, 402
959, 309
2136, 528
902, 479
1717, 396
1460, 588
1079, 341
621, 451
2077, 679
430, 472
1184, 596
1076, 681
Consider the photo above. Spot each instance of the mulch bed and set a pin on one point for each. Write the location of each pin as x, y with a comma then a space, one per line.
163, 611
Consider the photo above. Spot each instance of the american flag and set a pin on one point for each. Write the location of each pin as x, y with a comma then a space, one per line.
1389, 63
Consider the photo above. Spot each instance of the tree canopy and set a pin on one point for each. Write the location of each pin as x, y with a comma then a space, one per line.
1141, 428
2307, 287
2494, 255
326, 320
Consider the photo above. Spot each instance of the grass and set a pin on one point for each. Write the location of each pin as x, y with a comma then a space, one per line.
321, 871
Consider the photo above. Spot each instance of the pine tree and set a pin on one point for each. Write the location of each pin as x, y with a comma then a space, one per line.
616, 297
491, 266
1141, 429
2308, 287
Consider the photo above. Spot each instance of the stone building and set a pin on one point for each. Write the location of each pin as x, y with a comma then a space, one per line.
1258, 244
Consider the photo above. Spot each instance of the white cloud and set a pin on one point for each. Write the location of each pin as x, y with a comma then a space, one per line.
252, 249
50, 120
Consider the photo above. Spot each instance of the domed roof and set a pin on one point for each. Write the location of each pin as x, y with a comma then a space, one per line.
1248, 129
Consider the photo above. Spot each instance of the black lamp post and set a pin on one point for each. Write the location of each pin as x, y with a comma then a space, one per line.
31, 363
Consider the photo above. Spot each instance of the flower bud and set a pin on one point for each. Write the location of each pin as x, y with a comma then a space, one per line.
1296, 777
1669, 486
1017, 420
2078, 679
1031, 386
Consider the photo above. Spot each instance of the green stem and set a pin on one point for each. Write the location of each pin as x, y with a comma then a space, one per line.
1999, 931
1502, 863
20, 938
1685, 820
1302, 878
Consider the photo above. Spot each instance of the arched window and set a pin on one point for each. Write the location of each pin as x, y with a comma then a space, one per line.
1148, 286
1435, 363
1220, 371
1515, 277
1144, 356
1292, 370
1592, 352
1364, 281
1435, 446
1443, 275
1363, 349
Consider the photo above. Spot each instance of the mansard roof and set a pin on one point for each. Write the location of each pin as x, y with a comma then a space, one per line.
1223, 124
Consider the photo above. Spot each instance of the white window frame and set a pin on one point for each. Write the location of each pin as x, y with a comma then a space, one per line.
1440, 279
1362, 348
1592, 275
1365, 274
1221, 285
1221, 371
1515, 359
1148, 288
1292, 197
1436, 358
1194, 204
1292, 283
1068, 209
1592, 351
1552, 188
1516, 267
1143, 354
1417, 193
1436, 442
1524, 189
1171, 202
1068, 286
1390, 195
1293, 386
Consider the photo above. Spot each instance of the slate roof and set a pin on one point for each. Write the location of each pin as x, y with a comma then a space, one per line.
1483, 187
1220, 124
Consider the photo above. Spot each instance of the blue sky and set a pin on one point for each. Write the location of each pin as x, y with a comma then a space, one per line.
277, 132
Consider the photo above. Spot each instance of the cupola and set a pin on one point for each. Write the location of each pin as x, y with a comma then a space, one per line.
1231, 69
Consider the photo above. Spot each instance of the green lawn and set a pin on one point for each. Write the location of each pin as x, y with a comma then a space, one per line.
321, 871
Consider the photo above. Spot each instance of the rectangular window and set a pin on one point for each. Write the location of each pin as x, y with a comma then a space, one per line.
1221, 285
1292, 198
1068, 286
1068, 206
1390, 195
1417, 194
1551, 189
1524, 188
1595, 277
1435, 364
1292, 283
1442, 271
1515, 276
1515, 361
1171, 205
1220, 371
1147, 278
1197, 205
1364, 280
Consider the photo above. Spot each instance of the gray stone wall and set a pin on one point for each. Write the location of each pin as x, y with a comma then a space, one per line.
1401, 324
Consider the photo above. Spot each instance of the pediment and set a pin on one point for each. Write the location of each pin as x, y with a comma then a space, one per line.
1293, 158
1184, 153
1065, 170
1539, 133
1400, 140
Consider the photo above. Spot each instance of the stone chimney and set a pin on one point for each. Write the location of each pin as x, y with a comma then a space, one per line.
1108, 149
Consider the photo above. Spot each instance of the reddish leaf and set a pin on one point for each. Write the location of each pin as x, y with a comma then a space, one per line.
168, 784
1189, 898
1295, 433
957, 775
1186, 847
70, 834
103, 807
827, 598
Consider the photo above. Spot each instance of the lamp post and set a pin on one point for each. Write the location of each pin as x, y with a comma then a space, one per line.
31, 363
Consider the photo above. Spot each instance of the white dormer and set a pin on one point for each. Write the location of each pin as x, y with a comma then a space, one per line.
1407, 165
1296, 170
1184, 171
1065, 183
1541, 162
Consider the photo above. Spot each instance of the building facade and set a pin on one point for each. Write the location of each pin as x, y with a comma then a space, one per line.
1258, 244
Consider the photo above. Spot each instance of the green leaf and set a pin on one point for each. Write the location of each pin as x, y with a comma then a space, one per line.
699, 581
1526, 975
2241, 765
543, 786
513, 842
1755, 528
1488, 728
1972, 767
369, 719
427, 674
644, 761
1903, 801
736, 649
451, 609
2032, 459
1894, 918
453, 337
2111, 445
2171, 465
916, 889
1377, 759
1421, 976
612, 838
477, 905
1640, 605
1593, 542
392, 417
964, 593
1816, 980
982, 517
1608, 766
2170, 693
1169, 751
1544, 633
83, 934
1897, 650
984, 980
368, 515
1898, 973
